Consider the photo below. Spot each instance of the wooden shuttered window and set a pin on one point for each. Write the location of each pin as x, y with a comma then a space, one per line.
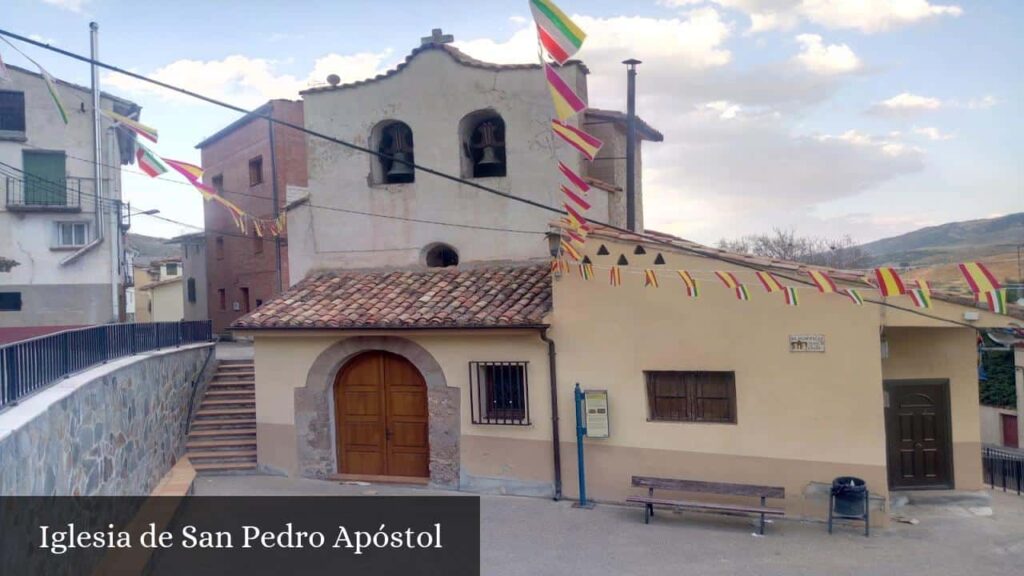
697, 396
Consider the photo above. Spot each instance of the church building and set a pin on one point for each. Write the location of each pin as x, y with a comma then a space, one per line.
427, 337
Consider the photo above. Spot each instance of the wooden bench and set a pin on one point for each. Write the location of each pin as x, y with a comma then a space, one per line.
694, 486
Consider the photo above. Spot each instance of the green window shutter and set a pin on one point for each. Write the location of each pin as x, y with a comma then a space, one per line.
45, 178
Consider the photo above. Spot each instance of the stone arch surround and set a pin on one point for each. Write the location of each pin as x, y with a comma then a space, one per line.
314, 408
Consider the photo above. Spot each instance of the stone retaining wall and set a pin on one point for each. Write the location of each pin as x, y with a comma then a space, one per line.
112, 430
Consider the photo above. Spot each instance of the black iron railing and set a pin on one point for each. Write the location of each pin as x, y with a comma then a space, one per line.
1003, 468
40, 194
31, 365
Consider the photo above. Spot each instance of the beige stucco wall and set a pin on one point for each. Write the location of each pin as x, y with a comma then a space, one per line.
992, 424
168, 305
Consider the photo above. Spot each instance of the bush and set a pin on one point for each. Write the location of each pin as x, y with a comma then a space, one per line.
999, 390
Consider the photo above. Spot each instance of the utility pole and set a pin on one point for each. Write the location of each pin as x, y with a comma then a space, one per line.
97, 174
631, 142
275, 195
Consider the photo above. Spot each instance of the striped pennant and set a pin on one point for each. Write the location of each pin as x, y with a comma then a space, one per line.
979, 278
578, 139
692, 289
615, 276
854, 295
569, 249
924, 287
132, 125
769, 281
920, 298
192, 173
741, 292
650, 278
889, 282
148, 162
567, 103
555, 266
728, 279
996, 301
586, 270
575, 218
577, 236
560, 36
791, 298
574, 178
822, 281
5, 75
575, 198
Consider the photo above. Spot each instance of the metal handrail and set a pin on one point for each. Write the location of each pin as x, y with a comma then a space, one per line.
28, 366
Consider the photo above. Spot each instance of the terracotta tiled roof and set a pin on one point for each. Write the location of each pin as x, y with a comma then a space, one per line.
493, 296
456, 54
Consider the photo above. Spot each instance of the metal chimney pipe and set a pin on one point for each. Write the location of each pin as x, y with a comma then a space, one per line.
631, 142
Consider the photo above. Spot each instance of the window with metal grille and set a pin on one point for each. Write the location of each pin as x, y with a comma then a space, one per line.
697, 396
499, 393
12, 111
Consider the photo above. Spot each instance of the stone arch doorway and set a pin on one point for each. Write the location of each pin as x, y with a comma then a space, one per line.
381, 417
315, 417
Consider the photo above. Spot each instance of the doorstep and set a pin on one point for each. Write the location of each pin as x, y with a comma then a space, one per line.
374, 479
959, 498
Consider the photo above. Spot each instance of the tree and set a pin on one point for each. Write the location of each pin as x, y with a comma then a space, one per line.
786, 245
998, 389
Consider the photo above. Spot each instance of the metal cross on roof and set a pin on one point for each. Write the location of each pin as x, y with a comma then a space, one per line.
436, 37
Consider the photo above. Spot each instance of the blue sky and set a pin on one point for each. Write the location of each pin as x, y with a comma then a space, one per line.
830, 117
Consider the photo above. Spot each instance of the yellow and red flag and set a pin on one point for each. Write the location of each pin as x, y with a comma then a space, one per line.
889, 282
822, 281
615, 276
650, 278
576, 198
139, 128
576, 220
574, 178
769, 281
578, 139
728, 279
979, 278
569, 249
567, 103
691, 285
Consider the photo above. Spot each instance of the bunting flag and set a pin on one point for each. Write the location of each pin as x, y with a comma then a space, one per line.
578, 139
559, 265
769, 281
889, 282
791, 298
257, 227
51, 83
979, 278
555, 267
822, 281
615, 276
575, 198
560, 36
728, 279
691, 285
586, 270
923, 286
741, 292
133, 125
996, 301
192, 173
569, 249
574, 178
920, 298
567, 103
650, 278
149, 162
576, 236
575, 218
854, 295
5, 75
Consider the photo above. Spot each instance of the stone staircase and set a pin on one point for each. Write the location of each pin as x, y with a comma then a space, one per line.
222, 438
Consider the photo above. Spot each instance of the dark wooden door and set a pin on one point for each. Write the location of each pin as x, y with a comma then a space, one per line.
917, 427
381, 413
1010, 437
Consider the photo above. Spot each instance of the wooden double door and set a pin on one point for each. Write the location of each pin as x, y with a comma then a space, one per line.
380, 407
918, 434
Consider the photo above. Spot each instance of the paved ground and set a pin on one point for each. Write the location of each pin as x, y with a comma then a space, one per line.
537, 537
234, 350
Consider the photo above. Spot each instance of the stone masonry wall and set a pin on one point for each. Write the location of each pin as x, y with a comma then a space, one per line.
117, 433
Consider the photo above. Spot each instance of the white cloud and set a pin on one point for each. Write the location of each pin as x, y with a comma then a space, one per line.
70, 5
932, 133
867, 16
907, 103
889, 145
518, 20
248, 82
982, 103
820, 58
43, 39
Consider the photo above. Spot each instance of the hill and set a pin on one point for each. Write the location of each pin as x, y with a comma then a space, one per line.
149, 248
987, 239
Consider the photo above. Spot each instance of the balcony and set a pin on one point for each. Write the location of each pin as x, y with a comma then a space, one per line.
39, 195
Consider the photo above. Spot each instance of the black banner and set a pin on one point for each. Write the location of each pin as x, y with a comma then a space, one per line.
255, 536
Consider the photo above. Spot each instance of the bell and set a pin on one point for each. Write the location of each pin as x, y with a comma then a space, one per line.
399, 168
489, 158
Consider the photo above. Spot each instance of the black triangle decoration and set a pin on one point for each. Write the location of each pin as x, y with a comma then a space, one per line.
639, 250
586, 260
602, 251
659, 259
622, 260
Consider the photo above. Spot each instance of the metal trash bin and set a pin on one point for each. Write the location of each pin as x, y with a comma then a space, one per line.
848, 500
